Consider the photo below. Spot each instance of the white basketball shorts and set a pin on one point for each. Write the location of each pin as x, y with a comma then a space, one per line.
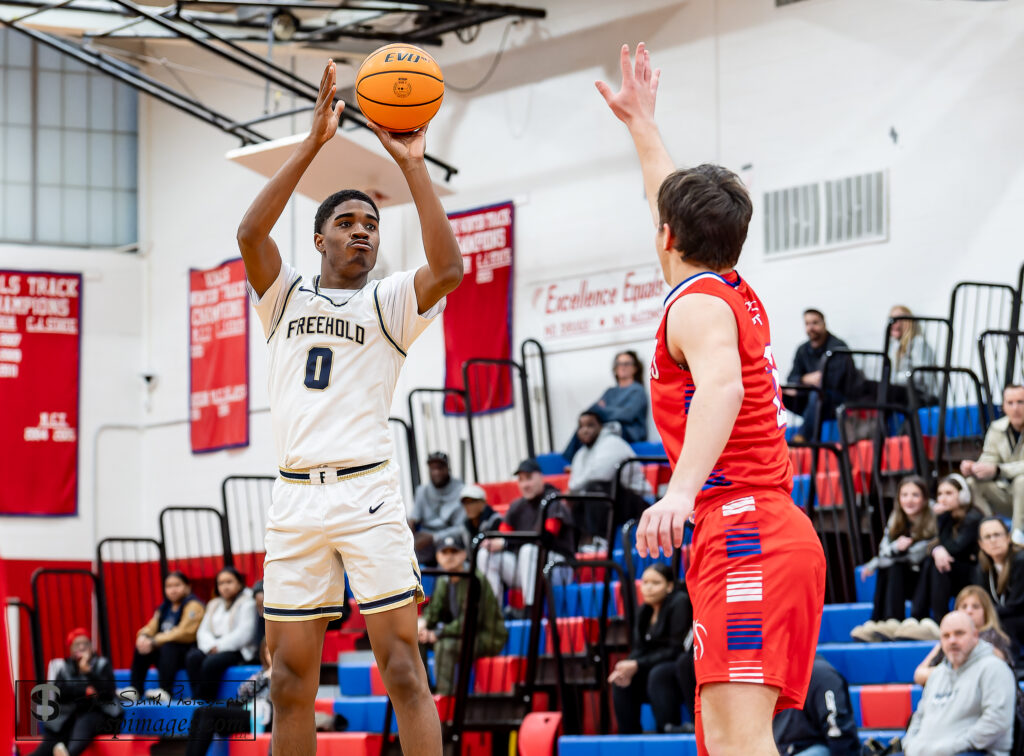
318, 532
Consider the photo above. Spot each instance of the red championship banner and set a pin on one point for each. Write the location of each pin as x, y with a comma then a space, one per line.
39, 352
219, 348
478, 316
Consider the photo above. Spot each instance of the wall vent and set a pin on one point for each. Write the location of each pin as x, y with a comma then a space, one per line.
827, 214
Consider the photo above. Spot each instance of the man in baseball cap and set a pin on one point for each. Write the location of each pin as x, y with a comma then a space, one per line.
479, 515
436, 511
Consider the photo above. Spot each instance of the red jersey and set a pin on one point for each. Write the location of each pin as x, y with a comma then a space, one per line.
756, 454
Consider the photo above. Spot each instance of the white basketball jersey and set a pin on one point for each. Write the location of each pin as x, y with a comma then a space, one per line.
334, 362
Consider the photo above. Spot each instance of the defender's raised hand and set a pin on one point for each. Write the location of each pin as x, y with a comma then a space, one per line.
636, 97
326, 115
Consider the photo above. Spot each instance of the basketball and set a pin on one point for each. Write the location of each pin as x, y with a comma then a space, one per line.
399, 87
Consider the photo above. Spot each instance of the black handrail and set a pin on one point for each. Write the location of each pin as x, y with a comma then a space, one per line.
542, 357
100, 618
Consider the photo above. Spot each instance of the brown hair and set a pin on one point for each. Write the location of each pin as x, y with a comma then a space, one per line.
985, 561
987, 607
708, 210
638, 367
924, 526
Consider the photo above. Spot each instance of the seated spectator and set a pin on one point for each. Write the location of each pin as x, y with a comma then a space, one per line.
226, 636
908, 349
88, 706
953, 559
436, 511
594, 467
826, 725
624, 403
808, 370
166, 639
252, 704
261, 623
968, 703
479, 516
975, 602
1000, 571
440, 626
903, 549
649, 674
515, 564
997, 478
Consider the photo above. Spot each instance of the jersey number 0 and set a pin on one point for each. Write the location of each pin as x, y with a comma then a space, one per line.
318, 368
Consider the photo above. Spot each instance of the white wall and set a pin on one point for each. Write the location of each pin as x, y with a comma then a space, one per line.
801, 93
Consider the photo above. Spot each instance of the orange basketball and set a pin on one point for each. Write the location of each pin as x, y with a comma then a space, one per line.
399, 87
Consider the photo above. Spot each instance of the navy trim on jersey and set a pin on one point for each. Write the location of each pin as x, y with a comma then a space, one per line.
702, 273
389, 600
315, 291
287, 297
318, 611
384, 328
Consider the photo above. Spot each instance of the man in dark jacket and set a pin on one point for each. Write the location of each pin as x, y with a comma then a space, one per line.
809, 370
826, 721
515, 565
479, 515
86, 706
441, 623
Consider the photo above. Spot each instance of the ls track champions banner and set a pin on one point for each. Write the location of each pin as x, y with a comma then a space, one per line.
219, 351
478, 315
39, 357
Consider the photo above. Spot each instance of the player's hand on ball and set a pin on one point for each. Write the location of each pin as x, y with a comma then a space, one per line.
636, 97
404, 147
326, 115
661, 525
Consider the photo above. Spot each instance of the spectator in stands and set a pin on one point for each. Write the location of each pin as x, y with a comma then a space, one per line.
440, 625
436, 511
1000, 571
997, 478
479, 515
261, 623
166, 639
968, 703
976, 603
226, 636
252, 704
903, 549
953, 558
594, 468
826, 725
649, 674
515, 564
808, 370
87, 704
908, 349
624, 403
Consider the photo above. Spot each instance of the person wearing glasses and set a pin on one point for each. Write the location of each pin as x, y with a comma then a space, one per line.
1000, 571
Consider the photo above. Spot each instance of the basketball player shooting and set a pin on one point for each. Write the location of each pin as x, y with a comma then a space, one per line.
337, 344
757, 570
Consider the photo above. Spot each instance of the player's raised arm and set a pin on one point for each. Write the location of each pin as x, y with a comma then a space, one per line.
633, 104
259, 251
702, 330
443, 271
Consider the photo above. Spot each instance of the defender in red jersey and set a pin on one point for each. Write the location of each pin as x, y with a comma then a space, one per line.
757, 570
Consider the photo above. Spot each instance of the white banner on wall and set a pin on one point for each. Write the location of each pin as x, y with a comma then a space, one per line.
595, 309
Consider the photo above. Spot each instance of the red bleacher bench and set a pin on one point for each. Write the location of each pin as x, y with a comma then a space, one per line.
123, 745
885, 706
829, 489
502, 493
896, 455
573, 634
498, 674
327, 744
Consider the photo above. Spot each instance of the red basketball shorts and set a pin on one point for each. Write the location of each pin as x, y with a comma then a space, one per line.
757, 581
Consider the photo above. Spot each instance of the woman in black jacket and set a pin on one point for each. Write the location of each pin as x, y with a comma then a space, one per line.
954, 556
86, 707
1000, 571
662, 625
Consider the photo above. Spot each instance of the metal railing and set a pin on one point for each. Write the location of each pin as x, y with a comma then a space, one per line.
196, 542
503, 419
64, 599
976, 307
438, 421
1001, 354
132, 570
534, 361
